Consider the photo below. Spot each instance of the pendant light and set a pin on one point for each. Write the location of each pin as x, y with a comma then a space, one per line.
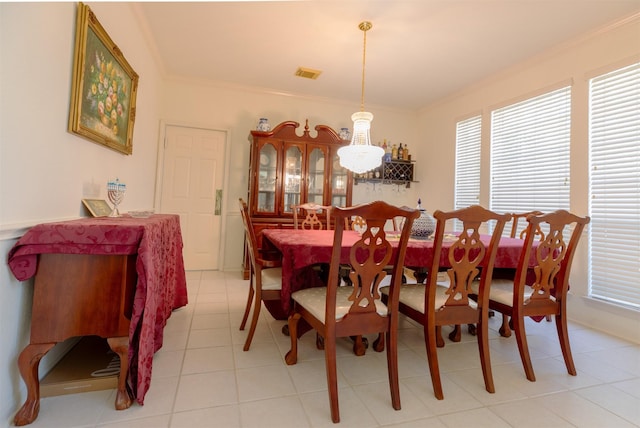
360, 156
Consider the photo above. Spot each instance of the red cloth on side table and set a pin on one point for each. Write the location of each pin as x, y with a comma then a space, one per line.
161, 286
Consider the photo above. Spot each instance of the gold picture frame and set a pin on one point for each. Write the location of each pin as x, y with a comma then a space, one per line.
97, 207
104, 87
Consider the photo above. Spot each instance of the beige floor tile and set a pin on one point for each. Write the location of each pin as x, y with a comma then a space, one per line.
202, 360
222, 416
202, 390
281, 412
257, 383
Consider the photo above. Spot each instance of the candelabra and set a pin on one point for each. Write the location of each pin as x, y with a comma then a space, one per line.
115, 193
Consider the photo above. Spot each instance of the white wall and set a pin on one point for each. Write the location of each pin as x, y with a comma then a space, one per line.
44, 170
572, 64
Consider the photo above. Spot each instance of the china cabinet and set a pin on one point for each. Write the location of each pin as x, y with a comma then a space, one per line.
286, 169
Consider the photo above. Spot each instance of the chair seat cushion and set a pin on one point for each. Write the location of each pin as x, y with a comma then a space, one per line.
501, 291
412, 295
272, 279
314, 300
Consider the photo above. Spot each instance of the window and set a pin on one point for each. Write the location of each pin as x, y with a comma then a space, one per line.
467, 189
614, 184
530, 143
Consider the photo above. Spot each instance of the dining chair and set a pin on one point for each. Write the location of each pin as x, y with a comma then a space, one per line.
505, 329
447, 302
515, 219
311, 220
265, 276
340, 311
541, 281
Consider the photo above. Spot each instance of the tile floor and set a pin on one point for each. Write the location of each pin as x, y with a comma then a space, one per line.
202, 378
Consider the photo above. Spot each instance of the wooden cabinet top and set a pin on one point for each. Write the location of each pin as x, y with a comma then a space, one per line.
287, 131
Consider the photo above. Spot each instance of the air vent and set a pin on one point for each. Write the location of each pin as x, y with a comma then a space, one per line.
307, 73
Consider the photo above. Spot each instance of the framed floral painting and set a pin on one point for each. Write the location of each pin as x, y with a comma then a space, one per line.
104, 87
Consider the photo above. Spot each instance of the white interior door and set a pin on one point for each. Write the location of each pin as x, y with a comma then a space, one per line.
192, 176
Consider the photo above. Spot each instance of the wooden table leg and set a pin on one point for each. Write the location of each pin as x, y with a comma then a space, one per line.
120, 345
420, 274
28, 363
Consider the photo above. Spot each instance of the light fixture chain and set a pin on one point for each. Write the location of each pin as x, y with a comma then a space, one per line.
364, 57
364, 27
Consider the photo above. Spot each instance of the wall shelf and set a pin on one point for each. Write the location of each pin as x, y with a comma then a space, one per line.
391, 172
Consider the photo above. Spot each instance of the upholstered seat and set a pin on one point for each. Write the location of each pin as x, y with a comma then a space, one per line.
314, 300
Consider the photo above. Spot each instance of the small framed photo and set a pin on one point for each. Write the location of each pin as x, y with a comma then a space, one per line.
97, 207
104, 87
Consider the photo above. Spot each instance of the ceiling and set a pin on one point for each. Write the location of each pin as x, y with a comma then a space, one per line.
418, 51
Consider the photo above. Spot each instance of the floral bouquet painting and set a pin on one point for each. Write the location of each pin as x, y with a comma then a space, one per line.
104, 87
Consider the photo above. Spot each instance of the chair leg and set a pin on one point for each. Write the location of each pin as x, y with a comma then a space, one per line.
456, 334
319, 342
485, 359
378, 344
505, 330
439, 339
359, 345
254, 321
392, 367
523, 347
247, 309
332, 377
292, 356
432, 355
563, 336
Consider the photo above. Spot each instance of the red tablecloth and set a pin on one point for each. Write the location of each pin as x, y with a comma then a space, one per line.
302, 248
161, 286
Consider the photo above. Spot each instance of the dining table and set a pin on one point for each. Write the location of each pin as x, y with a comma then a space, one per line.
301, 249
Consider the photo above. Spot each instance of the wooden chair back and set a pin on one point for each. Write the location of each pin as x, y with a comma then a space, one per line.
311, 220
515, 219
550, 261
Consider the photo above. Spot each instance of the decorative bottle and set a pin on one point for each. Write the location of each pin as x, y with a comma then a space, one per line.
387, 151
400, 152
394, 152
424, 226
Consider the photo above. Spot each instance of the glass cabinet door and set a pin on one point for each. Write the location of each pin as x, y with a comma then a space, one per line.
267, 175
338, 184
316, 174
292, 177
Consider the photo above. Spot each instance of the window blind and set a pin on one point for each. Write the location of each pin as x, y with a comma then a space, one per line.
614, 185
467, 173
530, 143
